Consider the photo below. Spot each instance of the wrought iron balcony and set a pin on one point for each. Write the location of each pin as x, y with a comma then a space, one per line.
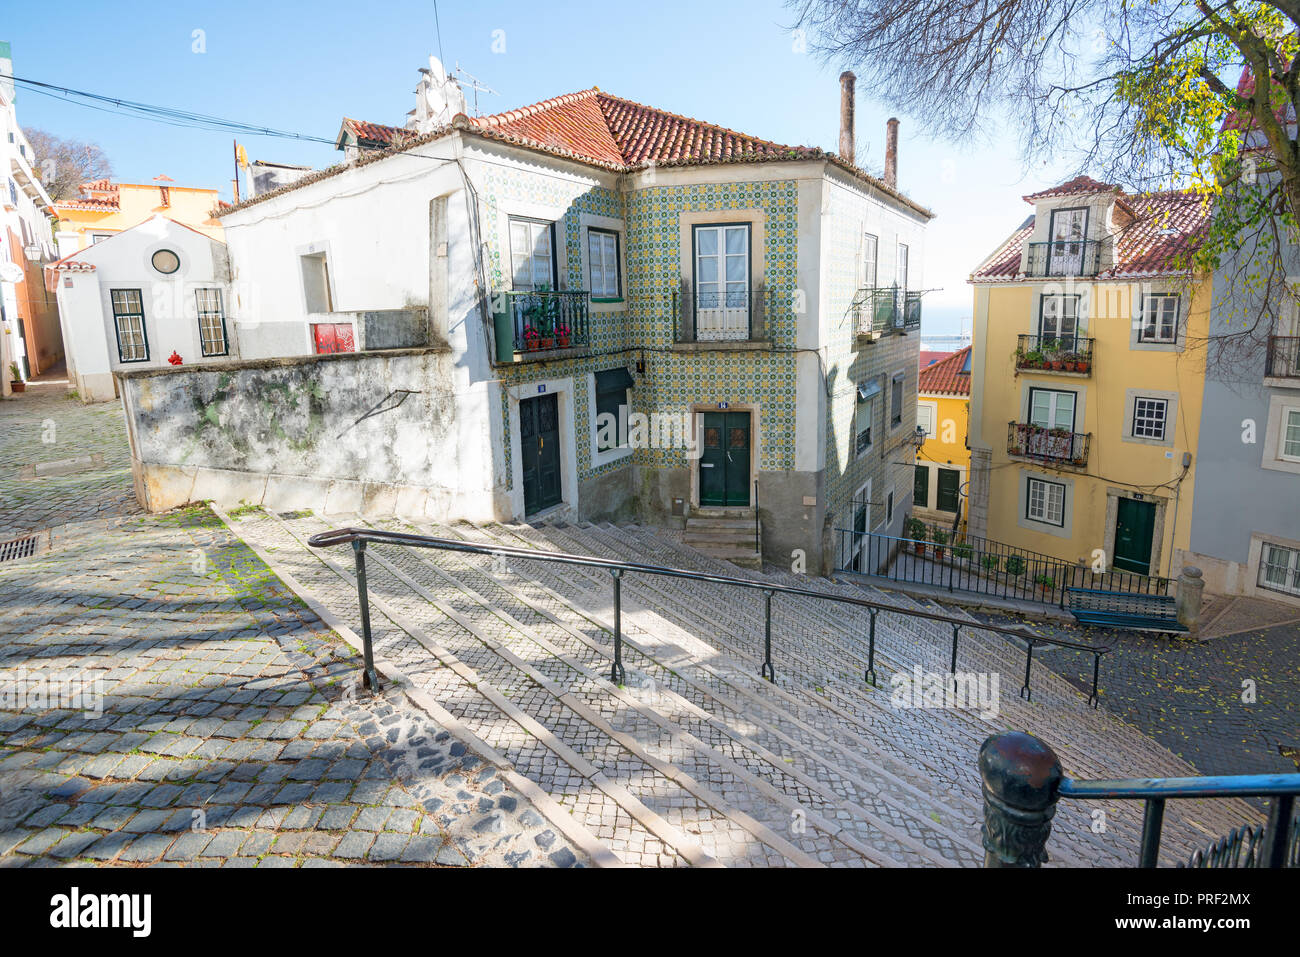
1070, 354
1284, 357
878, 310
546, 320
1054, 447
1080, 257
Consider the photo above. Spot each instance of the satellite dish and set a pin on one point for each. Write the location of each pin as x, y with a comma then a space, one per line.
11, 272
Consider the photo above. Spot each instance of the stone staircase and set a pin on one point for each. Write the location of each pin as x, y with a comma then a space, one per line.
696, 760
727, 534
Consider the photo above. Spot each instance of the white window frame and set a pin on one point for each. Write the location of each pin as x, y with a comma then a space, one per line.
215, 318
1160, 300
1290, 568
1151, 402
602, 258
1284, 427
1053, 407
865, 407
534, 277
926, 409
1057, 316
870, 267
902, 276
317, 282
1045, 511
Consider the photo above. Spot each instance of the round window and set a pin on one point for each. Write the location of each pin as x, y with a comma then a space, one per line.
166, 261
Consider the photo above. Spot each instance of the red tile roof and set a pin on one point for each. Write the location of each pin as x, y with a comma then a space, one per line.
1164, 226
928, 357
1079, 186
946, 377
596, 128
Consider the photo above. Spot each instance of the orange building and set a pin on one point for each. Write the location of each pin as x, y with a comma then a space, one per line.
105, 209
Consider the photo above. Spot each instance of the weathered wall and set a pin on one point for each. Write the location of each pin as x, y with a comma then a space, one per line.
376, 433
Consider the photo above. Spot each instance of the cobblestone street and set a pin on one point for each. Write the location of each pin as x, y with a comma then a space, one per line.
232, 732
1190, 695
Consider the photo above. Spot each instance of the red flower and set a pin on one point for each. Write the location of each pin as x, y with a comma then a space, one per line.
175, 358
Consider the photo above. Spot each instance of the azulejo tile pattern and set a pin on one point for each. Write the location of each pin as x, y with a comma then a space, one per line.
652, 240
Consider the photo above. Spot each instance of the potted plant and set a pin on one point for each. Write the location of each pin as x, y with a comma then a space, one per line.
1015, 565
532, 338
1034, 360
1045, 583
1084, 364
916, 531
991, 563
562, 335
940, 540
16, 378
1071, 362
962, 551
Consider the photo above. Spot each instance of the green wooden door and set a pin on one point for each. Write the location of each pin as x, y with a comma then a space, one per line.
949, 496
724, 460
539, 440
921, 487
1135, 525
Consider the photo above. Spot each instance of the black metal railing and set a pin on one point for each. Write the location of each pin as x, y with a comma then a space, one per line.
879, 310
726, 316
359, 538
1243, 847
546, 320
1055, 447
1023, 780
1055, 354
1284, 356
934, 557
1080, 257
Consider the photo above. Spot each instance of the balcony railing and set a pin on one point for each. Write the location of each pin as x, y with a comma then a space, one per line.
1081, 257
743, 315
1054, 447
1055, 354
546, 320
878, 310
1284, 357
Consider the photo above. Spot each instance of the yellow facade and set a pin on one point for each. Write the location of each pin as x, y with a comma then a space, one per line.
944, 451
1123, 472
105, 211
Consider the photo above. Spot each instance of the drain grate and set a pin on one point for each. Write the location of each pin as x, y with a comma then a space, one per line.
18, 548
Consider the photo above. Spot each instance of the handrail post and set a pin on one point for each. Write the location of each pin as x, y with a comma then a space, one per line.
616, 673
1153, 819
1096, 669
369, 678
871, 648
952, 669
768, 671
1029, 661
1278, 830
1021, 776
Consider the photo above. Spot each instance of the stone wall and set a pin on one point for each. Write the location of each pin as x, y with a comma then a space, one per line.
377, 433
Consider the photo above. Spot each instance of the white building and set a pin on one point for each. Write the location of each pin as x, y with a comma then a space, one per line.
145, 297
28, 318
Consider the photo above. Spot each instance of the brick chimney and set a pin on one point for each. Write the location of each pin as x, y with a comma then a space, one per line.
847, 152
891, 153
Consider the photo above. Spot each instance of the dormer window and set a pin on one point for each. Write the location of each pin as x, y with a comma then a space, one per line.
1068, 233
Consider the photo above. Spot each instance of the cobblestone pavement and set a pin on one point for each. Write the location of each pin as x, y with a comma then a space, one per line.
1190, 695
232, 732
80, 451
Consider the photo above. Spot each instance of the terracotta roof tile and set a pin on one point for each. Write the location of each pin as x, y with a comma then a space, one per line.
375, 133
1165, 226
1079, 186
946, 377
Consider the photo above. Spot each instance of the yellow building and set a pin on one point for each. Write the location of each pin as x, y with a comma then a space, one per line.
943, 462
105, 208
1087, 375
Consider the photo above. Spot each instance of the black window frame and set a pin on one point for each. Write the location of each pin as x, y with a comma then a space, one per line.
858, 448
618, 263
896, 402
1028, 499
117, 325
201, 314
1164, 419
606, 394
722, 278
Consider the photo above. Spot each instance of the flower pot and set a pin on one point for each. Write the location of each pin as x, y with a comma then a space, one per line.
1084, 366
1070, 366
1056, 366
547, 344
18, 385
564, 342
938, 551
920, 549
534, 345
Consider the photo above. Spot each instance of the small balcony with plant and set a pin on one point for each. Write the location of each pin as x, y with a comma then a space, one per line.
1055, 448
1071, 257
881, 310
541, 322
1059, 355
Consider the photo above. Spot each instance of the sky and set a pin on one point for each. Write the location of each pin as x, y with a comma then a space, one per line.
303, 66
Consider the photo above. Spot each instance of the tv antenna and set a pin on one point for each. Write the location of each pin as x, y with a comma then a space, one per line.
474, 84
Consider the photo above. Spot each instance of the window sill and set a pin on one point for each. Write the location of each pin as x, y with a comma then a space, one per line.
724, 345
601, 300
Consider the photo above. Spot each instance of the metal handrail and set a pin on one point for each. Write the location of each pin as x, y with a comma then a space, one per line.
1155, 791
360, 537
1023, 780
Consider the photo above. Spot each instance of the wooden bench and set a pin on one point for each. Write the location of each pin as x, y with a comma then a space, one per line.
1127, 610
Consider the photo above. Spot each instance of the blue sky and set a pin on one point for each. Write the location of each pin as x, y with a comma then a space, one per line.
301, 67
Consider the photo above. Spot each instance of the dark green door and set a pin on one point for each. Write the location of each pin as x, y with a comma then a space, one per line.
1135, 525
539, 439
921, 487
949, 490
724, 460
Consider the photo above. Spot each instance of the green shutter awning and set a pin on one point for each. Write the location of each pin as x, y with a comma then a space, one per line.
614, 380
868, 389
